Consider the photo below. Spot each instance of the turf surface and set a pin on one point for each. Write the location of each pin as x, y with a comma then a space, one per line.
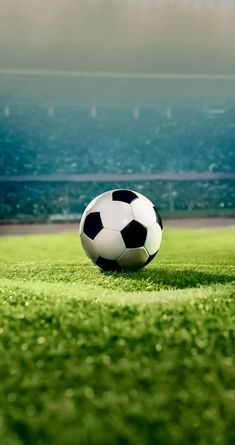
107, 358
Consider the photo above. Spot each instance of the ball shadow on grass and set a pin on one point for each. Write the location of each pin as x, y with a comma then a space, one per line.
165, 278
149, 279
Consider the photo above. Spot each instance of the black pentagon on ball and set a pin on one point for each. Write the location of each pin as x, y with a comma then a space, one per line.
124, 195
158, 218
108, 265
92, 225
134, 234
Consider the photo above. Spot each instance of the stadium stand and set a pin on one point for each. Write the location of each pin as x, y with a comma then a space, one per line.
38, 202
64, 140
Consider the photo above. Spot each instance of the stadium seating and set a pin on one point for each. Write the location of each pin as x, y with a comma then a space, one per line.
36, 140
62, 140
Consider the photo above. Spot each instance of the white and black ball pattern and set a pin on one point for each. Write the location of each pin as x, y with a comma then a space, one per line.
121, 229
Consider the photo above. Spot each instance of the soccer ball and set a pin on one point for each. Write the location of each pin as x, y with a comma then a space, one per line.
121, 229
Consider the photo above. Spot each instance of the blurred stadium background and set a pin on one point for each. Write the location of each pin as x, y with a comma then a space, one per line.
102, 94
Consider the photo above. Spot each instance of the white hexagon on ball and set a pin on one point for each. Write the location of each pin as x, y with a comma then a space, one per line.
153, 239
143, 212
109, 244
133, 258
116, 215
88, 246
100, 202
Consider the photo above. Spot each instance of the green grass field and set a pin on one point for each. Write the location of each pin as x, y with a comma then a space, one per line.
90, 358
